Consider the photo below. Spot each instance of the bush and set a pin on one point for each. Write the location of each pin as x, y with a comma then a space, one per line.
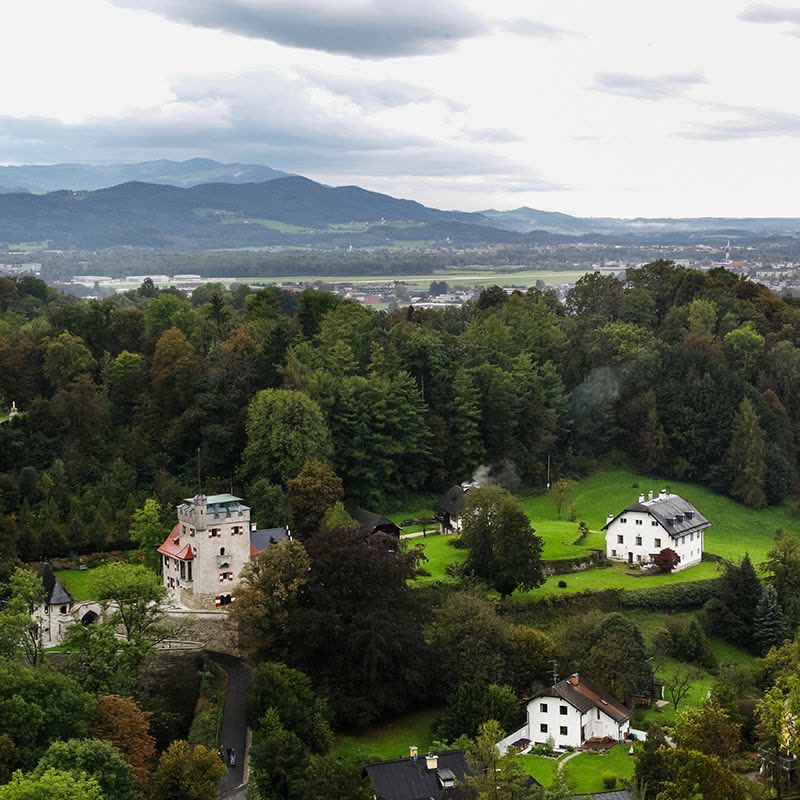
674, 596
562, 584
609, 780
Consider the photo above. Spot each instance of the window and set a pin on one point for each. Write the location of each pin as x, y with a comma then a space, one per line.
657, 542
222, 551
225, 576
183, 529
623, 520
620, 539
236, 529
654, 523
563, 711
563, 730
638, 540
691, 537
638, 558
63, 609
598, 713
638, 522
191, 531
613, 552
543, 728
183, 569
543, 708
190, 570
213, 532
166, 562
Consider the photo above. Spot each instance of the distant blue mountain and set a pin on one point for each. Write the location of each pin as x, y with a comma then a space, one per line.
42, 178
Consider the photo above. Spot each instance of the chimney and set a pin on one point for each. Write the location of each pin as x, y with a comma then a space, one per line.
650, 495
641, 498
253, 526
412, 751
431, 761
662, 494
574, 679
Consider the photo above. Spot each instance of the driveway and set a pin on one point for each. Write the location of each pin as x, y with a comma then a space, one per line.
234, 722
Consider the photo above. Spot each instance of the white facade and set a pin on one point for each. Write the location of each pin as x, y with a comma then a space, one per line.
555, 718
641, 531
204, 554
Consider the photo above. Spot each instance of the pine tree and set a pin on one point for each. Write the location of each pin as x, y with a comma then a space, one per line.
768, 624
746, 456
654, 439
466, 448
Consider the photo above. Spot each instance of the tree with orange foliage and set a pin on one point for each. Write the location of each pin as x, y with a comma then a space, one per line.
122, 722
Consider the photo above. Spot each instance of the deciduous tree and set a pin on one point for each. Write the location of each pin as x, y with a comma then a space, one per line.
315, 490
186, 771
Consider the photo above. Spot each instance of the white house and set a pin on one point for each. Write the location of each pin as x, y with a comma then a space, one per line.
645, 528
203, 556
570, 713
450, 507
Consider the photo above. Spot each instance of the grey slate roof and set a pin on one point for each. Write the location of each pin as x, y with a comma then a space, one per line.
585, 696
452, 502
262, 539
371, 522
54, 593
410, 779
676, 515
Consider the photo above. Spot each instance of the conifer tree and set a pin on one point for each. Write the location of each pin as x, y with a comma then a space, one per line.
466, 446
654, 439
768, 625
746, 456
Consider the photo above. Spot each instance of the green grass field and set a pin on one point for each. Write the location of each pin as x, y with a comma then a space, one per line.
584, 772
77, 582
282, 227
391, 739
540, 768
439, 553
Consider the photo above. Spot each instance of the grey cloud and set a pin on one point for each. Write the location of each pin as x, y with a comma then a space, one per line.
256, 117
363, 29
372, 94
744, 122
770, 14
647, 87
497, 135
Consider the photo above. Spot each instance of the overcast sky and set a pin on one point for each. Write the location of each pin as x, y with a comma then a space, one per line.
616, 108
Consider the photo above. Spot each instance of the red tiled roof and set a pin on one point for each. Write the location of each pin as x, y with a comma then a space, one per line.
174, 548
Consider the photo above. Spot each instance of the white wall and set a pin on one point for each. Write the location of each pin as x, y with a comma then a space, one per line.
554, 720
654, 537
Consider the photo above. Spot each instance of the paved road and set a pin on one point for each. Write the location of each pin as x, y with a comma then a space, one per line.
234, 723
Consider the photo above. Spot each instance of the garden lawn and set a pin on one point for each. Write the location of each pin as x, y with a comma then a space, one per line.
615, 577
390, 739
735, 528
541, 768
439, 552
585, 771
78, 582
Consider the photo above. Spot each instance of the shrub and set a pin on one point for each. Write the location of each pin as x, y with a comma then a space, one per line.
609, 780
671, 597
562, 584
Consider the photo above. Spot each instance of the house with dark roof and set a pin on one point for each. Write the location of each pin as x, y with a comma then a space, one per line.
430, 777
204, 554
450, 507
570, 713
54, 615
370, 522
645, 528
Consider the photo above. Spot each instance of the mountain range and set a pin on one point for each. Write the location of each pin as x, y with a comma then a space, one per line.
42, 178
178, 208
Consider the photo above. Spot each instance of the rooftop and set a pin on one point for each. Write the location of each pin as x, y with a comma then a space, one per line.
676, 515
582, 694
410, 778
54, 593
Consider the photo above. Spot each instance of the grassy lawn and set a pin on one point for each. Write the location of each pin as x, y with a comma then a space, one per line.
735, 529
282, 227
391, 739
540, 768
77, 582
585, 771
615, 577
439, 553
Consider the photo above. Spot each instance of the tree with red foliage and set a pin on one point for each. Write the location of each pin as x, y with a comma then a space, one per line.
666, 560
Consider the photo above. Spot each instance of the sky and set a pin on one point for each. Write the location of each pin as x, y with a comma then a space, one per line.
600, 109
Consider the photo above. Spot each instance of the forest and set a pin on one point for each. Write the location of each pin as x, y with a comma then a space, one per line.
310, 406
692, 375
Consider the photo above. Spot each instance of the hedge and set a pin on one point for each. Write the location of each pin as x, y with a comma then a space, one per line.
671, 596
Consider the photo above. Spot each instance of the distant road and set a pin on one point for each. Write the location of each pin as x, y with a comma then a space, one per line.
234, 721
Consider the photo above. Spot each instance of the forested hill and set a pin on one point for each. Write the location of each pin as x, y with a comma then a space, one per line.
41, 178
281, 211
688, 374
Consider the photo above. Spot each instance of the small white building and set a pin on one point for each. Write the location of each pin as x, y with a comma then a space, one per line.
203, 556
651, 525
572, 712
54, 615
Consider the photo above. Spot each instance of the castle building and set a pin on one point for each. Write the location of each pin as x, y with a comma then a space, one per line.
204, 554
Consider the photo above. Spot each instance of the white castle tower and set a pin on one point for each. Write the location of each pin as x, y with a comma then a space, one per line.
203, 556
